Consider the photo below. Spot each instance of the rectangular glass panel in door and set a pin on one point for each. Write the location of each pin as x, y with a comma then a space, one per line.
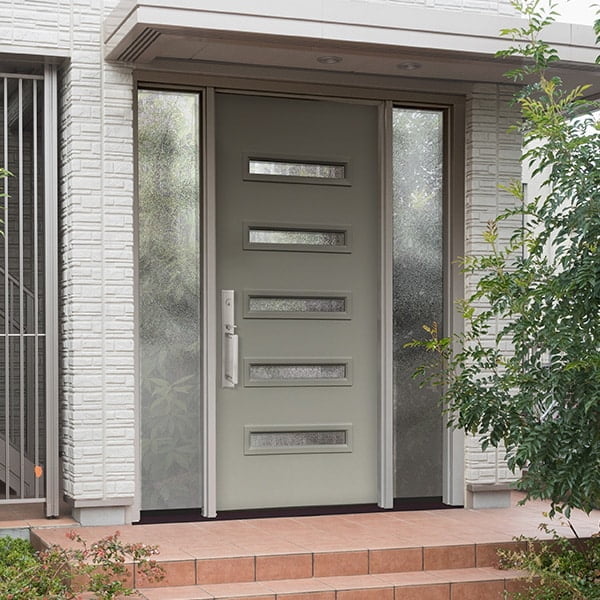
282, 168
169, 298
298, 374
417, 288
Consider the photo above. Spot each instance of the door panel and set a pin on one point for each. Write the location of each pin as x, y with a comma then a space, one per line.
300, 427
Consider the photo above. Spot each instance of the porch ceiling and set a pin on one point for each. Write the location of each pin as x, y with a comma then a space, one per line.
384, 39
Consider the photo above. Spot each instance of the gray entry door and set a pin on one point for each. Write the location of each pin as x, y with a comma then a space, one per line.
297, 253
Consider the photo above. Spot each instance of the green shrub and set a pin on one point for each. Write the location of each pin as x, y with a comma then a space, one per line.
15, 552
23, 576
559, 569
64, 573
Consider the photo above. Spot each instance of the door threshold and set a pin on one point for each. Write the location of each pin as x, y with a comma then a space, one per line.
195, 514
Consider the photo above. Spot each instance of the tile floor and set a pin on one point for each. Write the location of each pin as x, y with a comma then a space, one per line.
326, 534
258, 552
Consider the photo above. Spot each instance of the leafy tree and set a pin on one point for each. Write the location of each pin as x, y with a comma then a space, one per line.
526, 374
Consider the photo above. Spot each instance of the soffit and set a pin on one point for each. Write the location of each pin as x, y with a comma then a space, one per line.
372, 38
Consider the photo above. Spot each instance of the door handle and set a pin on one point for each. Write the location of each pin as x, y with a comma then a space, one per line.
229, 341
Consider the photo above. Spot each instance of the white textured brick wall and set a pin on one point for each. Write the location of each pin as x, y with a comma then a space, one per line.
35, 26
492, 157
97, 265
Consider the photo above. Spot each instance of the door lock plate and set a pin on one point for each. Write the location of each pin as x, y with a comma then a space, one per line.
229, 341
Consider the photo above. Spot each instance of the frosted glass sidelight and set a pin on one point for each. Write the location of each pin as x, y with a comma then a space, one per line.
170, 298
297, 439
290, 237
291, 304
280, 168
272, 372
417, 295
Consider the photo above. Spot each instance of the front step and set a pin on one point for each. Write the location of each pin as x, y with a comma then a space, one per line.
423, 555
484, 583
256, 568
436, 571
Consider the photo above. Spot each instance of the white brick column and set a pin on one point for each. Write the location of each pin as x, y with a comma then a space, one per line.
97, 291
492, 159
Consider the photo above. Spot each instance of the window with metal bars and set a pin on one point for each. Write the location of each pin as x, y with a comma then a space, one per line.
24, 202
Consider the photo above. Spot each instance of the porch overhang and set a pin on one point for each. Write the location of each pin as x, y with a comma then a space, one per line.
384, 39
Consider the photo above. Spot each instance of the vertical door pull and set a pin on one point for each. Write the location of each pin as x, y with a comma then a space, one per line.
229, 340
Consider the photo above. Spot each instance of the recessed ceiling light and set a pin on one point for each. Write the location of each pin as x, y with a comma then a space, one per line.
329, 60
409, 66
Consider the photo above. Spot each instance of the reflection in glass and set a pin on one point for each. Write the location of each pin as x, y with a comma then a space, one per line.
299, 237
273, 372
298, 439
169, 298
295, 169
417, 295
296, 304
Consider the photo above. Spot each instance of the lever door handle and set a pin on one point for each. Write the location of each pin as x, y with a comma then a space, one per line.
232, 373
229, 341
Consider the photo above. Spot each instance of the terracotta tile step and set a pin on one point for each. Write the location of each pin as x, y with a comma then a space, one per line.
221, 565
255, 550
301, 565
484, 583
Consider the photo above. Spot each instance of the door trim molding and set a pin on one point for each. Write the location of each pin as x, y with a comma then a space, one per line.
209, 263
52, 353
386, 321
453, 471
353, 87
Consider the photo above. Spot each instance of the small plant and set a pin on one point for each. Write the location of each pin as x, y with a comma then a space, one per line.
24, 576
558, 569
104, 564
58, 573
21, 574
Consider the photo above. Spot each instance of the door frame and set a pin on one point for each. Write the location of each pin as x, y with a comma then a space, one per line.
453, 108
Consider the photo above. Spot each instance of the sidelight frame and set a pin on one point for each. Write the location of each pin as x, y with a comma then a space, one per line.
453, 108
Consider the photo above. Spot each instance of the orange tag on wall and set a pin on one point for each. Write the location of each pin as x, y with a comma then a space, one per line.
39, 471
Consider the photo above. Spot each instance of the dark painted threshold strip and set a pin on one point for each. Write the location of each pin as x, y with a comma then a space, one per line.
195, 514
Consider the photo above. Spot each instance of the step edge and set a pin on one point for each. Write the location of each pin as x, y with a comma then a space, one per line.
325, 584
